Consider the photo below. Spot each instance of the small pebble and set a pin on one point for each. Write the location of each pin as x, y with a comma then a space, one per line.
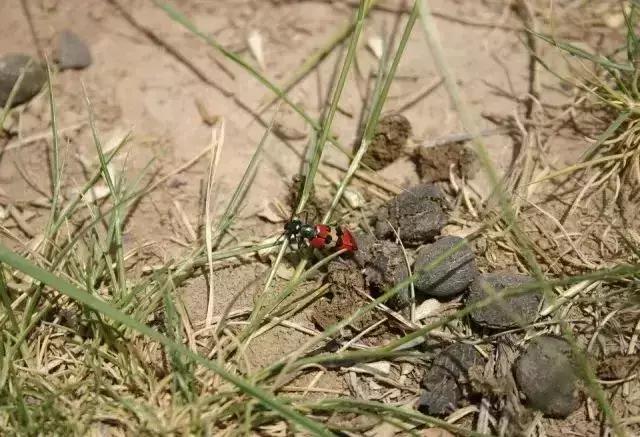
71, 51
416, 214
32, 82
546, 376
445, 381
452, 275
385, 268
507, 313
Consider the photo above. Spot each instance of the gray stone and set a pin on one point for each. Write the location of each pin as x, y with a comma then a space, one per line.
506, 313
445, 382
452, 275
11, 66
416, 214
546, 376
385, 268
71, 51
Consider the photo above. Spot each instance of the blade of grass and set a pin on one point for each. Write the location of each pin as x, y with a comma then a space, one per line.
376, 408
55, 155
49, 235
182, 370
116, 218
604, 136
373, 118
576, 51
396, 347
326, 125
581, 165
202, 254
243, 186
317, 149
6, 302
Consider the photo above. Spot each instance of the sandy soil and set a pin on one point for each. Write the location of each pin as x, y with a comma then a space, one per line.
135, 84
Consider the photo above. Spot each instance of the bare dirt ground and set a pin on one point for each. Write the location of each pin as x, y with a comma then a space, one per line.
137, 83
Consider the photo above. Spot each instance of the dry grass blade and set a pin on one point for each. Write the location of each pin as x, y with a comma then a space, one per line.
34, 138
217, 141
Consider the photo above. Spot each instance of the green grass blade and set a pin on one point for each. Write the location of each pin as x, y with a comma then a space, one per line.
377, 408
507, 211
182, 374
242, 188
116, 219
580, 53
633, 44
55, 155
71, 206
374, 116
604, 136
326, 126
319, 143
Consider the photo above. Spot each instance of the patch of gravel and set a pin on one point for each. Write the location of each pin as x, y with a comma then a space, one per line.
546, 376
451, 276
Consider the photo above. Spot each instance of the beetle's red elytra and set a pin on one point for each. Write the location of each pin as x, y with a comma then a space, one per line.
345, 240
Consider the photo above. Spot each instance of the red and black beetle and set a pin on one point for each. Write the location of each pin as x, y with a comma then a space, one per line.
318, 236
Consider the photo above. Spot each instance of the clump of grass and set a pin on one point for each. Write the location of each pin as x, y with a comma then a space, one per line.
614, 158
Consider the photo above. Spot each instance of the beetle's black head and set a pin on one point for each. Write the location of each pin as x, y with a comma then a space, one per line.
293, 227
